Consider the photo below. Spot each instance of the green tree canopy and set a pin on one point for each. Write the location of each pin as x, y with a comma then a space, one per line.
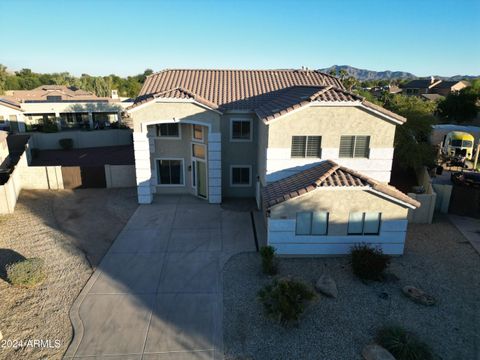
461, 106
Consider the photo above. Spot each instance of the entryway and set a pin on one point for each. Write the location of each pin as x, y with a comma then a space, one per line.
199, 170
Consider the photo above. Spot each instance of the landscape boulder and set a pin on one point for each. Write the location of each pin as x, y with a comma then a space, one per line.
418, 295
376, 352
327, 286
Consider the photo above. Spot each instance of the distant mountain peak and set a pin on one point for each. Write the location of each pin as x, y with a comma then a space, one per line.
364, 74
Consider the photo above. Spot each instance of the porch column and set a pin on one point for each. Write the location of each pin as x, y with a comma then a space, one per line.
90, 120
143, 169
214, 168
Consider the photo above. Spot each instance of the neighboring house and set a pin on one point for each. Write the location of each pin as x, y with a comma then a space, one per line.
66, 107
420, 86
235, 133
4, 154
433, 86
11, 116
432, 97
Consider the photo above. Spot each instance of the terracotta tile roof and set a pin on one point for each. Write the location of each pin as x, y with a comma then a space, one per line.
325, 174
235, 89
270, 93
176, 93
67, 93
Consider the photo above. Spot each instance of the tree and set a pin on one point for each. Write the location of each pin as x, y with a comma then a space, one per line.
461, 106
412, 147
3, 78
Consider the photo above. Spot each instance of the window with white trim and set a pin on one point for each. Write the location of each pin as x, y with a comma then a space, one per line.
241, 130
240, 176
364, 223
306, 147
170, 172
169, 130
312, 223
354, 147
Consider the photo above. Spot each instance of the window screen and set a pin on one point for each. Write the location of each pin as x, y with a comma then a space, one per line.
240, 176
170, 172
372, 223
168, 130
355, 224
241, 129
320, 223
354, 146
306, 146
304, 220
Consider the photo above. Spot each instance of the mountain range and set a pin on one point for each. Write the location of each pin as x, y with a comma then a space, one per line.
364, 74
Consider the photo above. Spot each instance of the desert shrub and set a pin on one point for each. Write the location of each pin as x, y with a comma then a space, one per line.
49, 127
66, 144
368, 263
403, 344
269, 261
28, 272
285, 299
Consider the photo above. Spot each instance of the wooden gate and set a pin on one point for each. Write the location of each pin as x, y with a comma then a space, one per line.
81, 177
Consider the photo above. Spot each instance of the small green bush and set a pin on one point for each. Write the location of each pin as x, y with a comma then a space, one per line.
66, 144
403, 344
368, 263
27, 273
285, 299
49, 127
269, 261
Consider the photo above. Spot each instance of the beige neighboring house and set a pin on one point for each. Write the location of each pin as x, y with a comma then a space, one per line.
4, 153
67, 107
11, 116
420, 87
274, 135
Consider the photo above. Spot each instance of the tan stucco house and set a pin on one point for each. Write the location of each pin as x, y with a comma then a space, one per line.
242, 133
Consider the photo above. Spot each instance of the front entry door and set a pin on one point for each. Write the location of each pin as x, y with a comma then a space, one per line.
201, 178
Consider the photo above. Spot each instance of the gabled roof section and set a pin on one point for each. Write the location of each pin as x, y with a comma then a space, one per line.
235, 89
327, 174
175, 93
297, 97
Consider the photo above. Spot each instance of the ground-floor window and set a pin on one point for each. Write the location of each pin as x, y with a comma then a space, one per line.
170, 172
240, 175
312, 223
364, 223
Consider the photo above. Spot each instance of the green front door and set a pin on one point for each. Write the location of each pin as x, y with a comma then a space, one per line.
201, 179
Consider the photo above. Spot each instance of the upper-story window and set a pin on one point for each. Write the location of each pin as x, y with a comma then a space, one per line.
354, 147
306, 146
197, 132
241, 130
54, 98
169, 130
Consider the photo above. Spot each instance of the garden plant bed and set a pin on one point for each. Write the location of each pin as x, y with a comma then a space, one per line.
437, 259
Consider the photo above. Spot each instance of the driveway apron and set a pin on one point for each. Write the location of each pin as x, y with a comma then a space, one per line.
157, 293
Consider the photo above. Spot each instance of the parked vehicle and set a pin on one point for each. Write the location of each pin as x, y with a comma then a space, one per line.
458, 143
466, 179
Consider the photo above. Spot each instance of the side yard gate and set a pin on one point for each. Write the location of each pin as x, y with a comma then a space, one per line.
81, 177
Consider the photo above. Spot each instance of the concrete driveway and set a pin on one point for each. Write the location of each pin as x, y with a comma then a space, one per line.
157, 293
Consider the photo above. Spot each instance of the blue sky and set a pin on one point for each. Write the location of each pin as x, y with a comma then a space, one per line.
125, 37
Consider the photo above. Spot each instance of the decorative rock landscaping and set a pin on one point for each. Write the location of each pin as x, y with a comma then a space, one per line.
376, 352
327, 286
418, 295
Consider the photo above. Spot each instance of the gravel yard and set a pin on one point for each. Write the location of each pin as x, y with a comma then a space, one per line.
437, 259
55, 226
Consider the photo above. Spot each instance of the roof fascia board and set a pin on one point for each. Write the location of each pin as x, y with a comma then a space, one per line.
379, 193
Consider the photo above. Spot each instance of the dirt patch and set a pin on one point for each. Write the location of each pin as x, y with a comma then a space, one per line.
37, 229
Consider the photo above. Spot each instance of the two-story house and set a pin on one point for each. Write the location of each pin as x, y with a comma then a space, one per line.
277, 136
